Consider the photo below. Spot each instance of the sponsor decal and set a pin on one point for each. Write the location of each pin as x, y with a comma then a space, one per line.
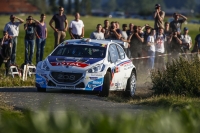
65, 63
93, 78
93, 84
96, 74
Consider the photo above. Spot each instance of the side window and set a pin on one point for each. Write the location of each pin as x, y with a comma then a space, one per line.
121, 52
113, 53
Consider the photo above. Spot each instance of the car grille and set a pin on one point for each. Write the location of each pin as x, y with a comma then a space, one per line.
63, 77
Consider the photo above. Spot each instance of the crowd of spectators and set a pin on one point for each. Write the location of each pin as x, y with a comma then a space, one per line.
147, 45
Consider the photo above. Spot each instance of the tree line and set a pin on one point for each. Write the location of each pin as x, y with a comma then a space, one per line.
142, 7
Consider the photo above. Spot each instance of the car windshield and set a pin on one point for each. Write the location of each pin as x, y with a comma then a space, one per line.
80, 51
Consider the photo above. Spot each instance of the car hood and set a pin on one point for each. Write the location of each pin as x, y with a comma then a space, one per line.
73, 62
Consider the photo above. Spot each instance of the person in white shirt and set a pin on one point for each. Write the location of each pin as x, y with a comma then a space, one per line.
12, 28
76, 28
160, 49
151, 49
97, 34
186, 41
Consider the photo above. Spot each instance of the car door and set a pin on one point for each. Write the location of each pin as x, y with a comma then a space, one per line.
124, 61
114, 59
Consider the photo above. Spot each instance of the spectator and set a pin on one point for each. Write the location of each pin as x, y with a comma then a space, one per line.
76, 28
151, 49
124, 39
106, 29
6, 45
136, 39
197, 43
97, 34
61, 25
145, 47
160, 49
167, 35
130, 30
41, 35
176, 24
186, 41
12, 28
159, 16
29, 28
114, 33
175, 43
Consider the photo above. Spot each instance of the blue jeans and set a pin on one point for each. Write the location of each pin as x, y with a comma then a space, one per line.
151, 59
40, 45
29, 46
13, 50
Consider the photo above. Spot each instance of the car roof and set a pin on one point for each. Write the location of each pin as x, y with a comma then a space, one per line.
94, 42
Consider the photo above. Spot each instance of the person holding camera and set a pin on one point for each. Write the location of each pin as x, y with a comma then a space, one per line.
176, 24
136, 40
114, 33
186, 42
158, 17
175, 43
6, 45
12, 28
29, 28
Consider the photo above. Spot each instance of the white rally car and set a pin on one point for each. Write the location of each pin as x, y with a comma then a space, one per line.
86, 64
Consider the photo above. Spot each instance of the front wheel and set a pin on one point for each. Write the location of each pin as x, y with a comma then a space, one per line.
41, 89
106, 85
131, 85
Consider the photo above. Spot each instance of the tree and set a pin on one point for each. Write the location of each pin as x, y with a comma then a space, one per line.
77, 6
86, 7
109, 6
69, 7
53, 6
61, 3
96, 4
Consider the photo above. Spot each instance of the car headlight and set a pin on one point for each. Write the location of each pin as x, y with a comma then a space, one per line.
97, 68
44, 66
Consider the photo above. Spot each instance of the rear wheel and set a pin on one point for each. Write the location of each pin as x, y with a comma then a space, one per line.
131, 85
41, 89
106, 85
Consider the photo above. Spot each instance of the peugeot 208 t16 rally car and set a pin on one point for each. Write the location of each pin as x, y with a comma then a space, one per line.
86, 64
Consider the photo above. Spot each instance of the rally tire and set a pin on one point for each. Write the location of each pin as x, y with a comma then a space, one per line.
41, 89
106, 85
131, 85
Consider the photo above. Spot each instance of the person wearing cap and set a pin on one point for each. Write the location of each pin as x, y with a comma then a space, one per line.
41, 35
159, 16
97, 34
5, 43
12, 28
186, 41
176, 24
30, 32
